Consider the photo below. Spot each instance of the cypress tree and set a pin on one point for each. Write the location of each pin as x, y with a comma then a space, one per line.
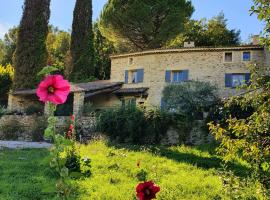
31, 53
82, 48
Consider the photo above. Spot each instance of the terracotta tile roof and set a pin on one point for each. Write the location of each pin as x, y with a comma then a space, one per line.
79, 87
187, 49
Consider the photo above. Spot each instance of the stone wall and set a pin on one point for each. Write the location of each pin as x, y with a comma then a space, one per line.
26, 124
202, 65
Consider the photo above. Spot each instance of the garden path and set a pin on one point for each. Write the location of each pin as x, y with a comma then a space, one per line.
24, 145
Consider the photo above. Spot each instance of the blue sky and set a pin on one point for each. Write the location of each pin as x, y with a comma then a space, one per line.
236, 11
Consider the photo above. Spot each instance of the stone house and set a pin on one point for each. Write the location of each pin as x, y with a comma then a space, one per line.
147, 73
141, 77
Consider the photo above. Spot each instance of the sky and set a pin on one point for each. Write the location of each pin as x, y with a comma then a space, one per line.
236, 11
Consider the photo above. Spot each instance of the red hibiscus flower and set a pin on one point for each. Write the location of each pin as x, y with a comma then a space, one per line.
69, 134
147, 190
71, 127
53, 89
72, 117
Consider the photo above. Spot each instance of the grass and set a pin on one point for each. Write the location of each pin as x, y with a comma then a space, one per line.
181, 172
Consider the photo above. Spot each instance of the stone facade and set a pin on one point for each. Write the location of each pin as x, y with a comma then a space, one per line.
203, 64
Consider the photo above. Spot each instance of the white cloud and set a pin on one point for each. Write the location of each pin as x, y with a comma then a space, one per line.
3, 29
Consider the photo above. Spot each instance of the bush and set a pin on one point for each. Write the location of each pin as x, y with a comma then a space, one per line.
38, 129
6, 76
139, 126
34, 109
2, 111
11, 130
191, 98
246, 134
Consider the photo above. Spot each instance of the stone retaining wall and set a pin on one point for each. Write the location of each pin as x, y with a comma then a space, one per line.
25, 126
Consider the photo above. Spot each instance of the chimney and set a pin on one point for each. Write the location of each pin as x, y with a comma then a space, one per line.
256, 40
189, 44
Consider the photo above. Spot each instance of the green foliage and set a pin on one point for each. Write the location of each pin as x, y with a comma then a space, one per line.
261, 9
58, 45
6, 77
143, 24
34, 109
82, 44
207, 33
139, 126
11, 130
192, 97
103, 49
8, 46
31, 53
248, 135
37, 131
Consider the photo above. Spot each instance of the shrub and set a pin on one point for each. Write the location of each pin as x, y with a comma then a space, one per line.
11, 130
88, 110
191, 98
38, 129
137, 125
34, 109
2, 111
246, 134
6, 76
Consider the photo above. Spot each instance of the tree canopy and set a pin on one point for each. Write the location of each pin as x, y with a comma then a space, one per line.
82, 49
143, 24
31, 53
213, 32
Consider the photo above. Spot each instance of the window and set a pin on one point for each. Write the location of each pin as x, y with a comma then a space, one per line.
134, 76
129, 102
228, 57
238, 80
246, 56
235, 80
176, 76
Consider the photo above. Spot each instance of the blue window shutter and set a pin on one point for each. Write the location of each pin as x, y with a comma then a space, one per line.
126, 76
247, 78
228, 80
168, 76
185, 75
140, 75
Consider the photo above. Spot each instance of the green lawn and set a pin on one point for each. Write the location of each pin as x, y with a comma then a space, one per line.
181, 172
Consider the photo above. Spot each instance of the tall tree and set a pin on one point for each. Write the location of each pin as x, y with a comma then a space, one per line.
213, 32
143, 24
103, 50
82, 48
8, 46
31, 53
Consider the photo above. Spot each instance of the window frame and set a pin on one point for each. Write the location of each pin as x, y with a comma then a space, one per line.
250, 56
235, 75
224, 57
178, 76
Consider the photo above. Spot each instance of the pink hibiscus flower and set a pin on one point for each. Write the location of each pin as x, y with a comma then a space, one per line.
53, 89
147, 190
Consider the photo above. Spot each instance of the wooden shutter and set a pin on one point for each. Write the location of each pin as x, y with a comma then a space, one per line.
126, 76
228, 80
140, 75
185, 75
168, 76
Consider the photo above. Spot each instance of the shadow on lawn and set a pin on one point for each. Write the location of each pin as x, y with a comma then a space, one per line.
212, 162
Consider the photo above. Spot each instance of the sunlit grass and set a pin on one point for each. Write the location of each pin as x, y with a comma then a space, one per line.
181, 172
